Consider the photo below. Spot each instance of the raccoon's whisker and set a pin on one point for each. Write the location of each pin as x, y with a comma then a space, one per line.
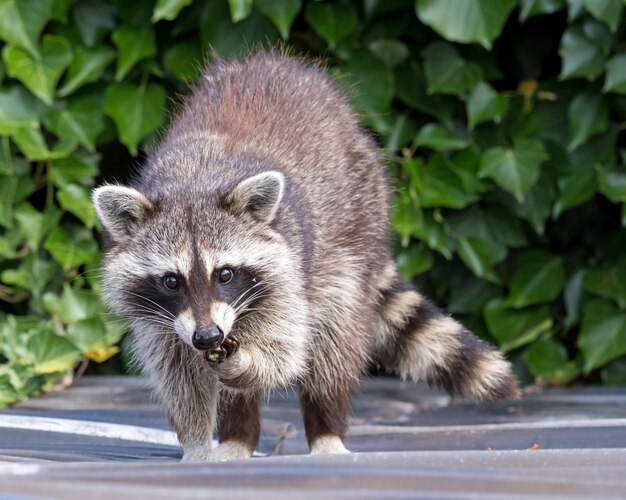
151, 316
246, 310
160, 323
253, 296
153, 302
249, 300
156, 320
95, 271
234, 303
142, 315
245, 313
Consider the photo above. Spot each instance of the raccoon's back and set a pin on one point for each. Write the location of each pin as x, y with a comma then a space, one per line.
289, 114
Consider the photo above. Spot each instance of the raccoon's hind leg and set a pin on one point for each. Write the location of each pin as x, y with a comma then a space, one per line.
418, 341
239, 425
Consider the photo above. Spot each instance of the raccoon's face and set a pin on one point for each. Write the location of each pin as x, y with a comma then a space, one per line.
194, 267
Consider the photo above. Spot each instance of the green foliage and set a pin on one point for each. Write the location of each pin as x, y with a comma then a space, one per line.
502, 120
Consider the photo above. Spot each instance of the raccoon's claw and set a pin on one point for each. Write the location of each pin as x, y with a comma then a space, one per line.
225, 351
230, 344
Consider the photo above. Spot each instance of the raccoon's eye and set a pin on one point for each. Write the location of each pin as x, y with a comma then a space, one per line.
170, 282
225, 275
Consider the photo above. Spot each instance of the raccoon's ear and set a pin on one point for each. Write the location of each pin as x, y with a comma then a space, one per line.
258, 196
120, 209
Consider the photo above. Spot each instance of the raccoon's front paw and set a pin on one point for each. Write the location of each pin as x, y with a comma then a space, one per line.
226, 350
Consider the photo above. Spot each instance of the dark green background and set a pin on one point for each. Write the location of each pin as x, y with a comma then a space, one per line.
502, 122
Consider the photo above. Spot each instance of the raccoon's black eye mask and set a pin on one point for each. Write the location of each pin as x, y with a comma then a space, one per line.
236, 285
232, 285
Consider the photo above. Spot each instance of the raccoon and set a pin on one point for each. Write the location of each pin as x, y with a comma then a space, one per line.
252, 251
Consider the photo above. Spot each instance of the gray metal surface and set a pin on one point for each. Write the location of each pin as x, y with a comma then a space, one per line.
106, 437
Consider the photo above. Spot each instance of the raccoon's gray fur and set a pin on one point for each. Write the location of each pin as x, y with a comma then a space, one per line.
265, 212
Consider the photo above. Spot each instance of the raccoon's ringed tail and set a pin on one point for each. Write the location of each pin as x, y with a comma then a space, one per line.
417, 341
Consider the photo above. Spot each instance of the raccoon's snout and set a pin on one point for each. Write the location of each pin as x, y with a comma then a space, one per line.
207, 338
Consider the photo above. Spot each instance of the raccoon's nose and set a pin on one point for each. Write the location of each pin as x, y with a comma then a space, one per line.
207, 338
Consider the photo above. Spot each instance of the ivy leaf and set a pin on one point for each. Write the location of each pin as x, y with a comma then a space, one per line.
18, 110
411, 89
60, 8
530, 8
373, 80
168, 9
33, 274
447, 72
72, 305
71, 250
471, 295
615, 80
388, 51
81, 122
614, 373
239, 9
17, 382
21, 22
608, 282
437, 137
228, 39
134, 45
95, 339
332, 22
537, 204
499, 228
32, 144
77, 200
87, 66
513, 328
434, 233
414, 260
575, 9
514, 170
33, 343
478, 257
603, 334
135, 110
607, 11
613, 184
73, 169
39, 74
280, 12
466, 164
485, 104
437, 184
406, 215
588, 115
184, 59
548, 359
538, 278
399, 132
572, 297
583, 49
575, 189
49, 352
35, 225
94, 20
469, 21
